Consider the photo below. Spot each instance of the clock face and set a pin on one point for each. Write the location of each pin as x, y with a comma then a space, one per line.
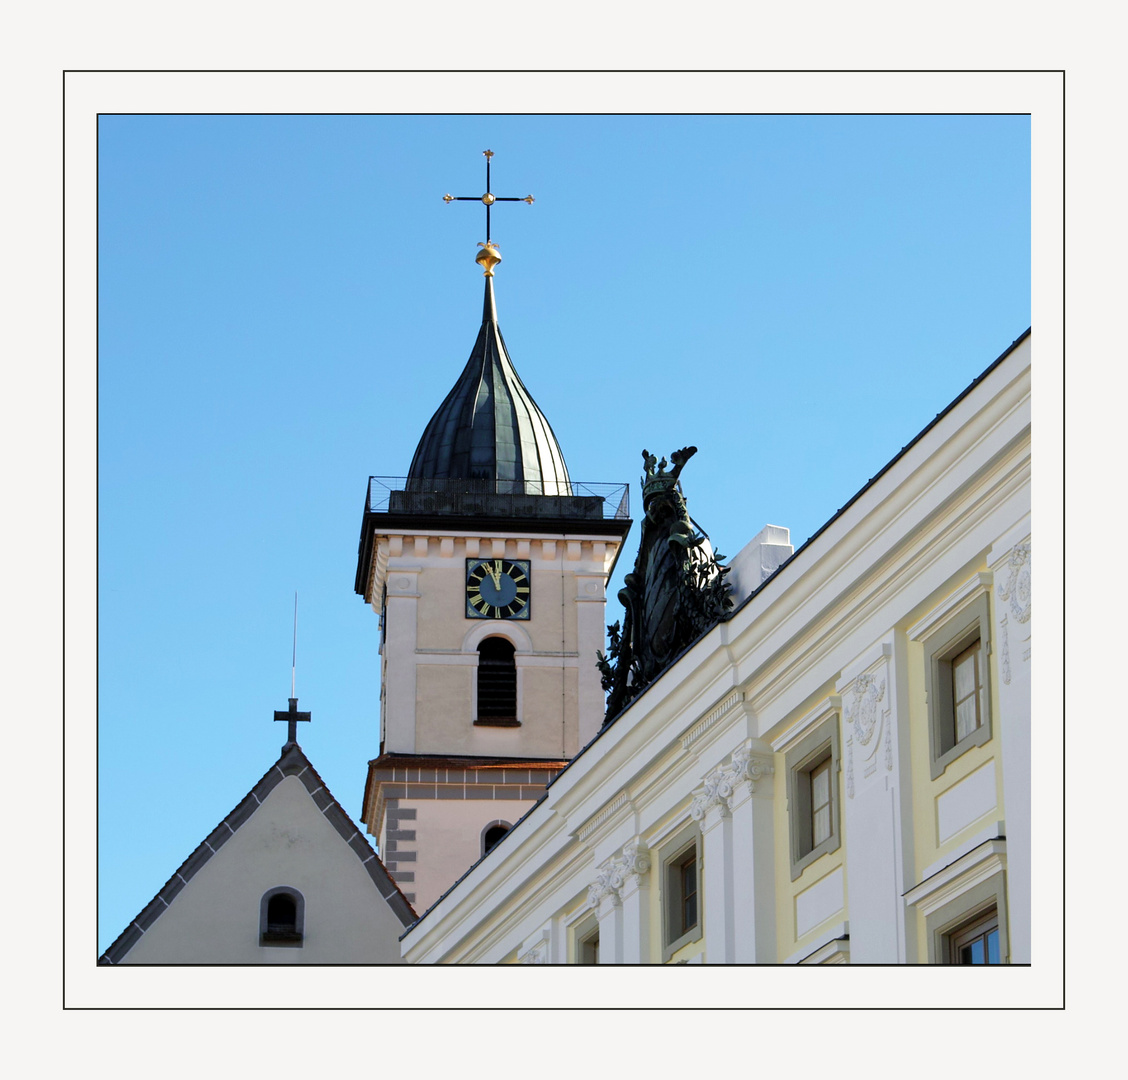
497, 589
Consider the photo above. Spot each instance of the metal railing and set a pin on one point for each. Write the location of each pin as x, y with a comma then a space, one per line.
507, 498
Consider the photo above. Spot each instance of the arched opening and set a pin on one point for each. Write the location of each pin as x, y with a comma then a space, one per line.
497, 683
281, 917
492, 835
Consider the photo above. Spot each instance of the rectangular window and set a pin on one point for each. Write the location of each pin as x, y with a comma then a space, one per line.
589, 949
681, 884
957, 682
812, 796
977, 943
967, 691
584, 941
687, 893
820, 802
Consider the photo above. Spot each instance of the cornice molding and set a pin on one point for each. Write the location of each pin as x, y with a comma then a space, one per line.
602, 815
712, 717
825, 710
965, 873
972, 588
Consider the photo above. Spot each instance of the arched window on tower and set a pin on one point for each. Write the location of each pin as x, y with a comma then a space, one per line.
492, 834
497, 684
282, 917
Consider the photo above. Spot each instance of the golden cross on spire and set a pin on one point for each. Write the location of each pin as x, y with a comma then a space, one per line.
489, 198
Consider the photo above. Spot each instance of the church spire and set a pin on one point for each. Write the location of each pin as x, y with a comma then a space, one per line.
488, 428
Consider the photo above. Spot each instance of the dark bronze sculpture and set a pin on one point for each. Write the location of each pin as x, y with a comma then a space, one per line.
675, 593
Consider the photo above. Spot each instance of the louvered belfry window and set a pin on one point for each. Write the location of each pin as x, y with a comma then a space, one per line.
497, 682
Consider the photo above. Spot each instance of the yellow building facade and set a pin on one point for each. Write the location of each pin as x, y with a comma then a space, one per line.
839, 772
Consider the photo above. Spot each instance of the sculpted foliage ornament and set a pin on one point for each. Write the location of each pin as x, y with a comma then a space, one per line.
675, 593
720, 786
615, 874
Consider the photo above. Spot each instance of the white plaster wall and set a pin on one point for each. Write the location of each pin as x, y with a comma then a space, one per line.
287, 841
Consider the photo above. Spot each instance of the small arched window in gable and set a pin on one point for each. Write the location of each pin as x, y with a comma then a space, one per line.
497, 684
492, 834
282, 917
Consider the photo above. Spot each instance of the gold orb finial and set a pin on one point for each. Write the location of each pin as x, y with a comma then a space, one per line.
488, 258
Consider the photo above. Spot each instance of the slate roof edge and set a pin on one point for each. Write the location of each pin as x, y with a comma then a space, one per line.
292, 762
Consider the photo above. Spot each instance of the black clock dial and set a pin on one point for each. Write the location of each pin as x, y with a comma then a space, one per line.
497, 589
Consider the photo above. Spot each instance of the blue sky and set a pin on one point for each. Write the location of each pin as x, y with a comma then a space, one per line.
285, 300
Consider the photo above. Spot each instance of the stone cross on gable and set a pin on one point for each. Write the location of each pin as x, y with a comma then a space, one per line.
291, 716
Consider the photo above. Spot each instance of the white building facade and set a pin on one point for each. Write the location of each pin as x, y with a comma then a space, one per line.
837, 773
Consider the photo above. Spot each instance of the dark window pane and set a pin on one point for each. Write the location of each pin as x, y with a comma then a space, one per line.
497, 680
493, 835
281, 912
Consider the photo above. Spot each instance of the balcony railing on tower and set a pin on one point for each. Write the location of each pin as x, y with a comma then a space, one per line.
498, 498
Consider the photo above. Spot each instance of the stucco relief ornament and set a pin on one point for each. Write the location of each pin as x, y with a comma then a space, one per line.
1016, 590
749, 768
720, 785
862, 711
534, 956
608, 882
849, 766
636, 861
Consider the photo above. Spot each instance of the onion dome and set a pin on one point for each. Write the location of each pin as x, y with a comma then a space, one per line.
489, 429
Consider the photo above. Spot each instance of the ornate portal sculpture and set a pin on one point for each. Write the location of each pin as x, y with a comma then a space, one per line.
675, 593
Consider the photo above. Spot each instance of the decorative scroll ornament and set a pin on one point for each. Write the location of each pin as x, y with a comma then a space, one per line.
675, 593
616, 873
535, 956
636, 861
721, 785
1016, 590
607, 883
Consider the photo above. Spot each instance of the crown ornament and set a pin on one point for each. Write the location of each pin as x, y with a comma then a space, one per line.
656, 480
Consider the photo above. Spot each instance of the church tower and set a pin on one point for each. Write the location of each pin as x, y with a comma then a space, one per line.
487, 566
